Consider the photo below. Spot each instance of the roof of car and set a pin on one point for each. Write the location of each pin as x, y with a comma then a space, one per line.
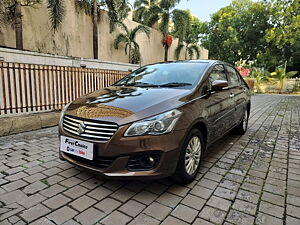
210, 61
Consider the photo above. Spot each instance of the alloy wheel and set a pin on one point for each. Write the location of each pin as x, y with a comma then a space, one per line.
193, 155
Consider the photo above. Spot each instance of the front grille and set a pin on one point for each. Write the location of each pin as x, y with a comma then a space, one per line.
100, 131
98, 162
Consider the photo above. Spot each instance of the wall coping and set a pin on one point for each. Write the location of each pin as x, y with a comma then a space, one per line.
25, 56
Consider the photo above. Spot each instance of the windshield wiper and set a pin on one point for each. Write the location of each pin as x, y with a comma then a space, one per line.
138, 84
175, 84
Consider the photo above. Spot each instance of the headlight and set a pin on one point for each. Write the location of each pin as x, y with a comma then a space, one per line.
156, 125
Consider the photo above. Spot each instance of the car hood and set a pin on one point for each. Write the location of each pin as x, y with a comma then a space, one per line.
127, 104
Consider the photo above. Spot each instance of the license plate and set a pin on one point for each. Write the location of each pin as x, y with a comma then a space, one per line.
77, 147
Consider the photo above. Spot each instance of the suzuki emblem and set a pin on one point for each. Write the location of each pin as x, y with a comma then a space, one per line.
81, 128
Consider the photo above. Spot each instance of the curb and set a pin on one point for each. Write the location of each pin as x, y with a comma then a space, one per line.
19, 124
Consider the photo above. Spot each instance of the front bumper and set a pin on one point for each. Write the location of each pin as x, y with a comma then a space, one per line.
115, 154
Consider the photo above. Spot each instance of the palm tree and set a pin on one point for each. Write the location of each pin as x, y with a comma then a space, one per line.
183, 31
132, 48
11, 11
149, 12
117, 11
190, 50
146, 12
166, 7
281, 75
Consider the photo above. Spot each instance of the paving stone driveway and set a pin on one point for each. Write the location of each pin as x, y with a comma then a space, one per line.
250, 179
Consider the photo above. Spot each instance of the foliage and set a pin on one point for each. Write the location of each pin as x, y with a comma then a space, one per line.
265, 32
259, 75
146, 12
152, 11
56, 11
281, 75
132, 48
117, 9
184, 30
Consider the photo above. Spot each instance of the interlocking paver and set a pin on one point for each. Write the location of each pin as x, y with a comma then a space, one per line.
35, 212
250, 179
89, 216
116, 218
108, 205
219, 203
169, 199
143, 219
56, 201
12, 197
184, 213
212, 214
271, 209
236, 217
264, 219
145, 197
170, 220
157, 211
62, 215
82, 203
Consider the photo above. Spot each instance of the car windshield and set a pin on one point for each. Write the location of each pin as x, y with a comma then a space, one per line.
183, 74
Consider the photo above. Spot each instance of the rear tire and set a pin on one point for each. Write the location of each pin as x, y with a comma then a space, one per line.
190, 157
243, 126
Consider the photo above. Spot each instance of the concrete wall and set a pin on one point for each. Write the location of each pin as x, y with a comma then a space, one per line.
13, 55
74, 36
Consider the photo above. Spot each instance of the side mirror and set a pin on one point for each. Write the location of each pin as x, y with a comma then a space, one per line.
218, 85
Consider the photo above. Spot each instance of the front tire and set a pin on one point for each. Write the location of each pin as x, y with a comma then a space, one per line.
190, 157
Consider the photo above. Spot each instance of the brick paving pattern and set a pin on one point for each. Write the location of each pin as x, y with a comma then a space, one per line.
250, 179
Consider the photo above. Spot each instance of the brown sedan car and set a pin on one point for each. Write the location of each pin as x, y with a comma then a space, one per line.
157, 121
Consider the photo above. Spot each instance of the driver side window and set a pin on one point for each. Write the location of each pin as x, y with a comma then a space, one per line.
218, 73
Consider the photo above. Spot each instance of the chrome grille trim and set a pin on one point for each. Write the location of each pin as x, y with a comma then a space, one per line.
99, 131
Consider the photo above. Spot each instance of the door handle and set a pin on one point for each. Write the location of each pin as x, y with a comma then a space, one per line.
231, 95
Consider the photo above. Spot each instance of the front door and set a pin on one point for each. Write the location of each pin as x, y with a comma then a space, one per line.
220, 104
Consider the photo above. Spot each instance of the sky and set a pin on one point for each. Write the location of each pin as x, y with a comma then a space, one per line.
201, 8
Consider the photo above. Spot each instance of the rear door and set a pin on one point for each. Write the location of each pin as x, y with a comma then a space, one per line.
220, 104
239, 91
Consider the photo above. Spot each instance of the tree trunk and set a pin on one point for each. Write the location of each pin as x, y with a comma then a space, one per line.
18, 25
95, 29
166, 52
186, 51
129, 52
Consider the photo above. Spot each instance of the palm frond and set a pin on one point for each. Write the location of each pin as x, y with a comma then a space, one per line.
122, 26
168, 4
291, 74
117, 11
87, 5
57, 10
140, 29
182, 22
164, 24
135, 53
194, 49
178, 50
119, 39
140, 3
